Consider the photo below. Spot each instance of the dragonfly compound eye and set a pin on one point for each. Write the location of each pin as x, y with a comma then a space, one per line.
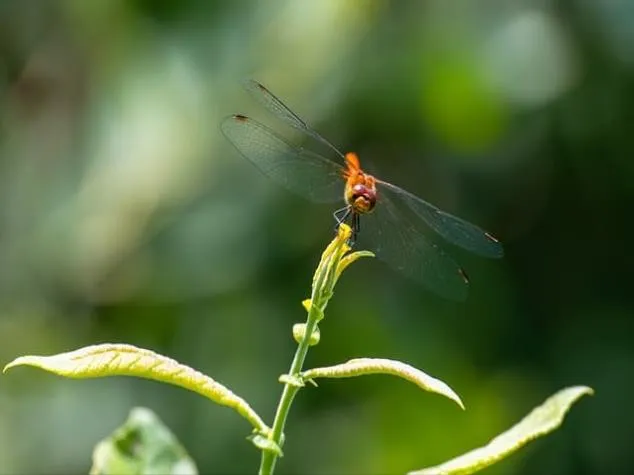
363, 198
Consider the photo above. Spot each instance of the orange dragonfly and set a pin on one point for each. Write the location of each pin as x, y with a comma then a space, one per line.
394, 220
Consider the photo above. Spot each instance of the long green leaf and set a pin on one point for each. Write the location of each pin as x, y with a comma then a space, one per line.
364, 366
99, 361
539, 422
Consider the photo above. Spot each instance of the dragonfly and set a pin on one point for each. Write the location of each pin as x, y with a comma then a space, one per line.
386, 219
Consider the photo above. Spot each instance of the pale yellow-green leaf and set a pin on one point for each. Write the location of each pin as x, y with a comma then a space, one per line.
142, 445
363, 366
349, 259
540, 421
103, 360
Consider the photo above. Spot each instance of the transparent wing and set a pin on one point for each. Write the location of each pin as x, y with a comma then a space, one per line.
455, 230
303, 172
282, 111
390, 234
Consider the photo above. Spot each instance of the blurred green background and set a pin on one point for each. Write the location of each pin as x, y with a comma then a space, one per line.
125, 216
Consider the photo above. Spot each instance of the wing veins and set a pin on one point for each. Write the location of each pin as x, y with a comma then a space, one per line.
455, 230
284, 162
408, 250
284, 113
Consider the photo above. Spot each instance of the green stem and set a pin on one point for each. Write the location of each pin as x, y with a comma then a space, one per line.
267, 462
322, 287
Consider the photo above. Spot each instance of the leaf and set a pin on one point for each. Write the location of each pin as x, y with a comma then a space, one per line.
142, 445
349, 259
99, 361
363, 366
539, 422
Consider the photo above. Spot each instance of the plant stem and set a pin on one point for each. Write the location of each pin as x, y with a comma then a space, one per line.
267, 462
324, 280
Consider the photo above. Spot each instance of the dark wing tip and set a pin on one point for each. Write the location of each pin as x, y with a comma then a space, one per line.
228, 124
251, 84
491, 237
495, 250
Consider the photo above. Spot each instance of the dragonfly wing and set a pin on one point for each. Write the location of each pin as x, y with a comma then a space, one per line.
283, 112
300, 171
392, 237
273, 104
455, 230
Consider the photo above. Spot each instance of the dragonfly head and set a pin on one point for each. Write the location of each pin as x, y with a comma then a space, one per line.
361, 197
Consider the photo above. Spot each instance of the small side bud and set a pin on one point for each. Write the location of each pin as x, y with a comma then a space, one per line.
291, 380
299, 333
308, 306
265, 444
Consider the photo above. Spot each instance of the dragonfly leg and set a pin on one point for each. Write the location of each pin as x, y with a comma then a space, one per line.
341, 215
356, 227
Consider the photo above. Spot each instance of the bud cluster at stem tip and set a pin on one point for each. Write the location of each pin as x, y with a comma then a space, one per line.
334, 260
